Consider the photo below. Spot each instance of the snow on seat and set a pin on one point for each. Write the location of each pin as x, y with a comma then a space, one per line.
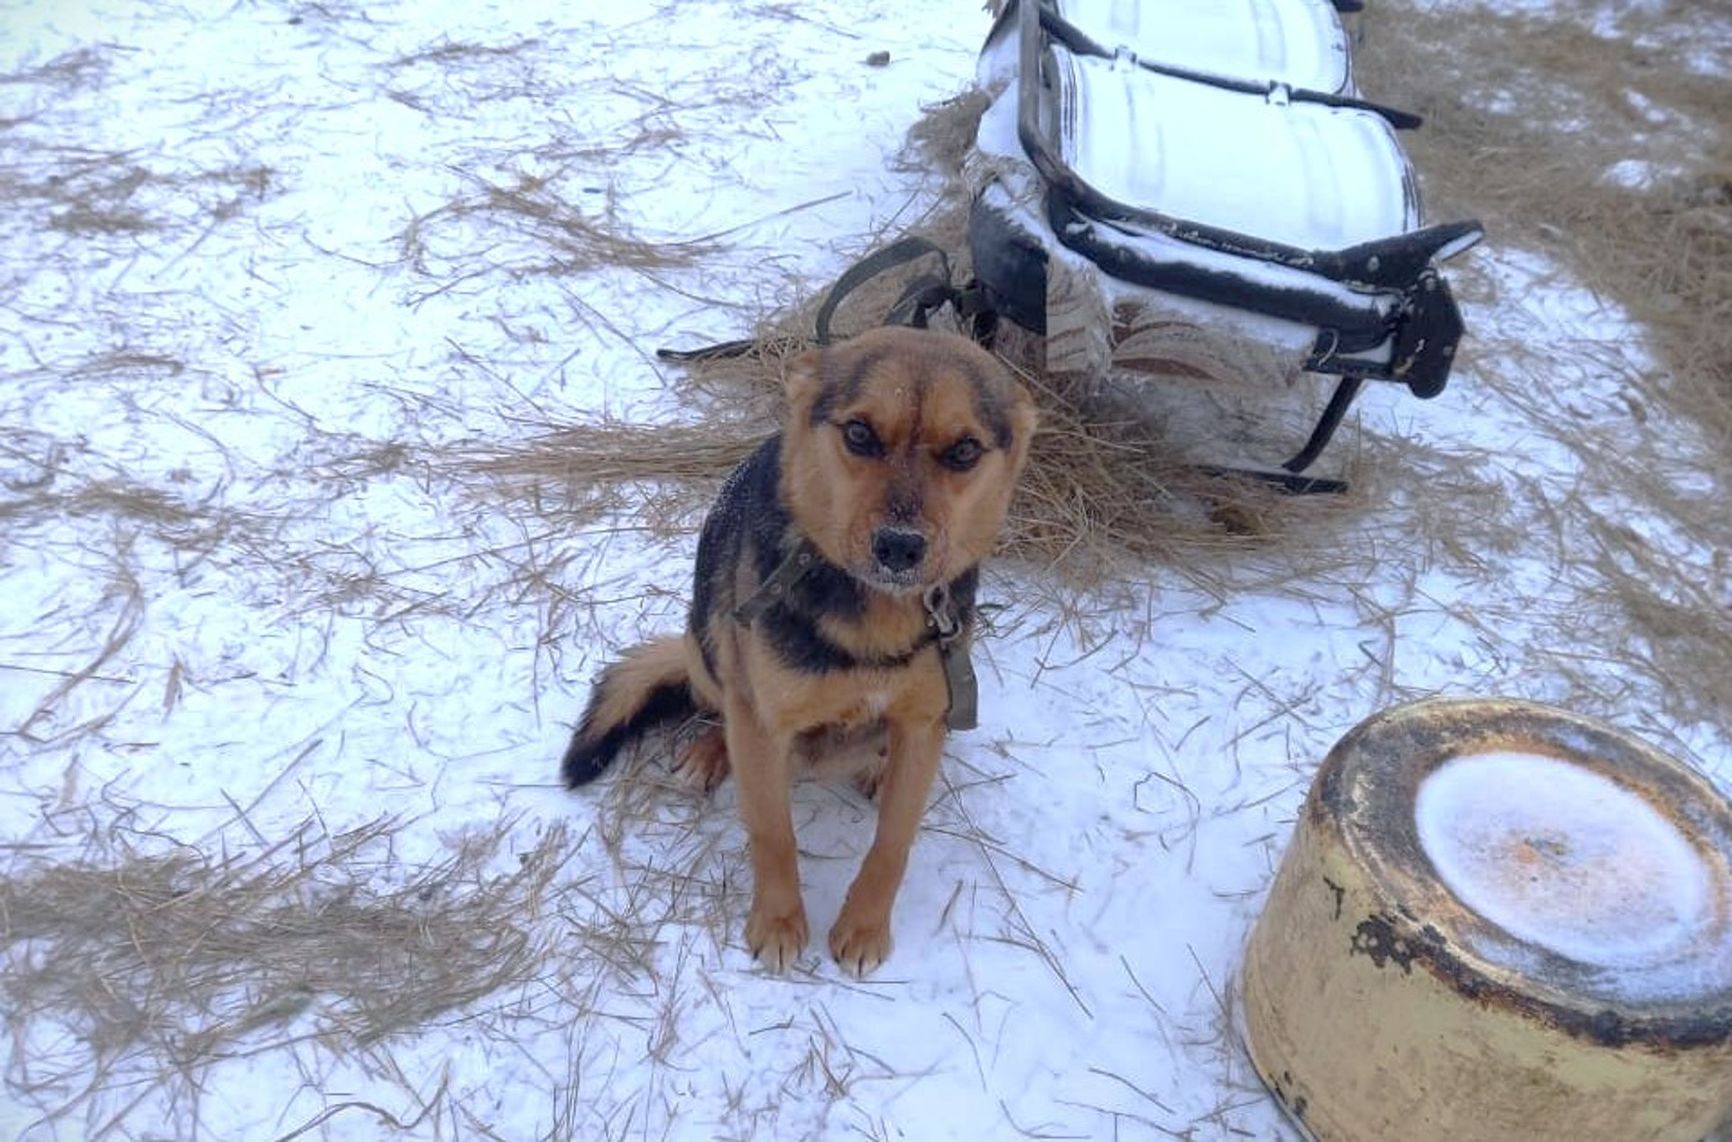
1299, 174
1194, 192
1299, 44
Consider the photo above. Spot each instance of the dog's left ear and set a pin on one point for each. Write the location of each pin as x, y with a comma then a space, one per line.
801, 380
1024, 421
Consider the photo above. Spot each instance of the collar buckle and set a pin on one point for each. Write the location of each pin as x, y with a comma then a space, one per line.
940, 614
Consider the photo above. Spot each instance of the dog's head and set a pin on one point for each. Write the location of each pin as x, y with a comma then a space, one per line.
900, 453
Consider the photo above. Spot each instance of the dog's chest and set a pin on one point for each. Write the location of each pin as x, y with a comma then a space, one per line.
871, 707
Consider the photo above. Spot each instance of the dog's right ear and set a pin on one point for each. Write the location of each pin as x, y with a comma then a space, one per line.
801, 380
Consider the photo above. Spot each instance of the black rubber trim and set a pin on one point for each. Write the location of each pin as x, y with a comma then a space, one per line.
1010, 264
1356, 328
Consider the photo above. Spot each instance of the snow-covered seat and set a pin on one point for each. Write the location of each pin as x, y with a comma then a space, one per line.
1193, 190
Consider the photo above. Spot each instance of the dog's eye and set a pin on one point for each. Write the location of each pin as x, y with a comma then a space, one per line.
860, 439
962, 455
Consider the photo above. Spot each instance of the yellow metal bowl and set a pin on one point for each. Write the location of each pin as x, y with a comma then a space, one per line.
1501, 921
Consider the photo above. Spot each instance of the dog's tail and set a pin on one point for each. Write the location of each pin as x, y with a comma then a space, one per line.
647, 687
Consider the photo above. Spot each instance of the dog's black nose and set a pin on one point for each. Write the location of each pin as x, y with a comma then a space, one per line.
898, 551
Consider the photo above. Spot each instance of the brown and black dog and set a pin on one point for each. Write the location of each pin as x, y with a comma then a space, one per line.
835, 582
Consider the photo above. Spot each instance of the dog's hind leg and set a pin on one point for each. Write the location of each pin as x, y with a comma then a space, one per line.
861, 938
703, 763
776, 929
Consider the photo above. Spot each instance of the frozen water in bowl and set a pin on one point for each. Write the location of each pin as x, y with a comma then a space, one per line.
1565, 859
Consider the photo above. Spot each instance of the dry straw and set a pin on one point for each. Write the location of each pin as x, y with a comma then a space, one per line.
1608, 152
155, 962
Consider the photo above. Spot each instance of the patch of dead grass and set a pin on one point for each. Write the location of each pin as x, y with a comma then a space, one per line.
82, 192
450, 52
80, 67
1603, 152
584, 472
140, 964
453, 77
554, 235
1611, 155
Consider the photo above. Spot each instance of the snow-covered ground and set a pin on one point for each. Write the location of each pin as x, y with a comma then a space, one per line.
241, 588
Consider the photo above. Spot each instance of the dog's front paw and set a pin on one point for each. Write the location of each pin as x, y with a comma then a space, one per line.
776, 939
860, 945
